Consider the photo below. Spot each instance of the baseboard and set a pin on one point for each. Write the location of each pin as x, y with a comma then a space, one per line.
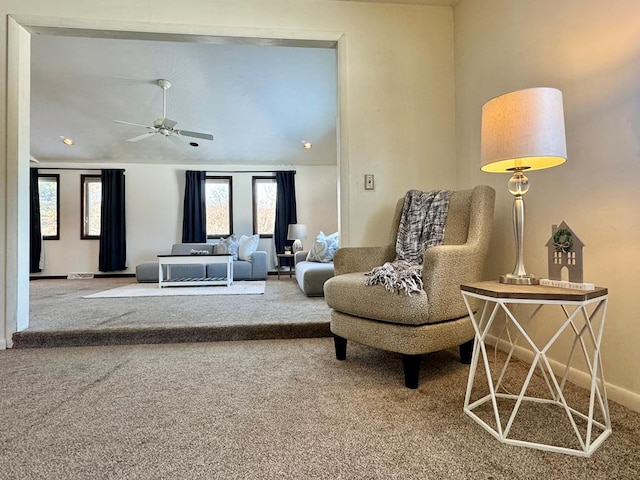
582, 379
114, 275
96, 275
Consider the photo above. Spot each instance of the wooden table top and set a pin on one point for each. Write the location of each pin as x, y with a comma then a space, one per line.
495, 289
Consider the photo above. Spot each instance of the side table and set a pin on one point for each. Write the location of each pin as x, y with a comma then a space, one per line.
291, 266
582, 318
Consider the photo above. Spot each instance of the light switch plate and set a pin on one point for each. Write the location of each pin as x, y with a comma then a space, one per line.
368, 181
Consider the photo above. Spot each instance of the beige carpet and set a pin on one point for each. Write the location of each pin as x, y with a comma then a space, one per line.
60, 316
270, 409
152, 290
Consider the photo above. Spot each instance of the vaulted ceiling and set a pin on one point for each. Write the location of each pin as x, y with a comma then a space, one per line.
260, 102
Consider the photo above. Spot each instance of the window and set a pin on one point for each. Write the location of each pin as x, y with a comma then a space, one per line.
219, 207
264, 205
48, 188
91, 204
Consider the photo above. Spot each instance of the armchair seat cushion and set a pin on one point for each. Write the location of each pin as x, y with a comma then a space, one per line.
349, 294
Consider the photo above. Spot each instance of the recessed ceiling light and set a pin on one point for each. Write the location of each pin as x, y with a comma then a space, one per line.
307, 145
67, 141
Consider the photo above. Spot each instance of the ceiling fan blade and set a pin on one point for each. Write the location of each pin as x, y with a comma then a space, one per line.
141, 137
187, 133
167, 122
176, 140
136, 124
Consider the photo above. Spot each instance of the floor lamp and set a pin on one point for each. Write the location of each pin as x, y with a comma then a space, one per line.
522, 130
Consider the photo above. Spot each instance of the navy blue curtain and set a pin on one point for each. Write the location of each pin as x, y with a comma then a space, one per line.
194, 218
35, 234
113, 242
285, 208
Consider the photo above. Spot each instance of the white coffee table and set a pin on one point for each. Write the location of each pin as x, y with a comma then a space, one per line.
169, 260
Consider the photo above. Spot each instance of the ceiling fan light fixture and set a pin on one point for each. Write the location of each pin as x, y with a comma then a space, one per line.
163, 125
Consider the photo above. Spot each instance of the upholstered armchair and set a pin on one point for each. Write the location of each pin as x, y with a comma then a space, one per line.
427, 321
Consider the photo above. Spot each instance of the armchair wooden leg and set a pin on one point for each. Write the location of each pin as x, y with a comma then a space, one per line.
411, 364
341, 347
466, 350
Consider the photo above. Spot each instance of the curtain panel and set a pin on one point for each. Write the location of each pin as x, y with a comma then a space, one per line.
285, 208
113, 241
194, 218
35, 232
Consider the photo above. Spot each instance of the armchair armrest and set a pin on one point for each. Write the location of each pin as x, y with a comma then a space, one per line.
361, 259
444, 269
258, 264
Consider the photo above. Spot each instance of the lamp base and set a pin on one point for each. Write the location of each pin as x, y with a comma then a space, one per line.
297, 246
512, 279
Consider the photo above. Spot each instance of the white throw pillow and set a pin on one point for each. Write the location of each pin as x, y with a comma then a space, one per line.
318, 252
323, 248
247, 245
227, 245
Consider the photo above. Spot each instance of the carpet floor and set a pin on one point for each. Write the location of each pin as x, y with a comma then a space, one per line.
271, 409
60, 316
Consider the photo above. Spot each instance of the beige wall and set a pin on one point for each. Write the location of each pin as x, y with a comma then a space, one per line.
591, 51
396, 93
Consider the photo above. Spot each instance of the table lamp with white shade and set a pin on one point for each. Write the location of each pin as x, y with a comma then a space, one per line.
297, 232
522, 130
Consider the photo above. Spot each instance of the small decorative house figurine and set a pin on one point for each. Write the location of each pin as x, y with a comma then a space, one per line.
564, 250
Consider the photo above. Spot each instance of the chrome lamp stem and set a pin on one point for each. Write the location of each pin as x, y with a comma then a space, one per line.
518, 186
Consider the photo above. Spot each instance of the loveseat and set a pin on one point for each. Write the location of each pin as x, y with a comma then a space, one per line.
254, 268
312, 275
316, 267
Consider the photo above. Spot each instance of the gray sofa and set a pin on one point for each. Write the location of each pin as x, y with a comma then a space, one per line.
312, 275
255, 269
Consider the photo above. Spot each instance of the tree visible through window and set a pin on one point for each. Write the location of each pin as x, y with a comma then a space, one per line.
48, 188
91, 205
219, 206
264, 205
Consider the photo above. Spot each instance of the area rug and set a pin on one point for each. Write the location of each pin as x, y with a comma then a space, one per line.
152, 290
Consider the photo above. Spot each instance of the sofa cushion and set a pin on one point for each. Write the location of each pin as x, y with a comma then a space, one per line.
247, 246
311, 277
241, 270
185, 271
147, 272
349, 294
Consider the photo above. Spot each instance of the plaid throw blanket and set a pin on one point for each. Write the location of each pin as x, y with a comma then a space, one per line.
421, 227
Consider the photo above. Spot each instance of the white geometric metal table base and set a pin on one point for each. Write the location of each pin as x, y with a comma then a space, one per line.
584, 318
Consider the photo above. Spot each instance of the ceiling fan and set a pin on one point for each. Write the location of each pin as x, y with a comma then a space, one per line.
165, 126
